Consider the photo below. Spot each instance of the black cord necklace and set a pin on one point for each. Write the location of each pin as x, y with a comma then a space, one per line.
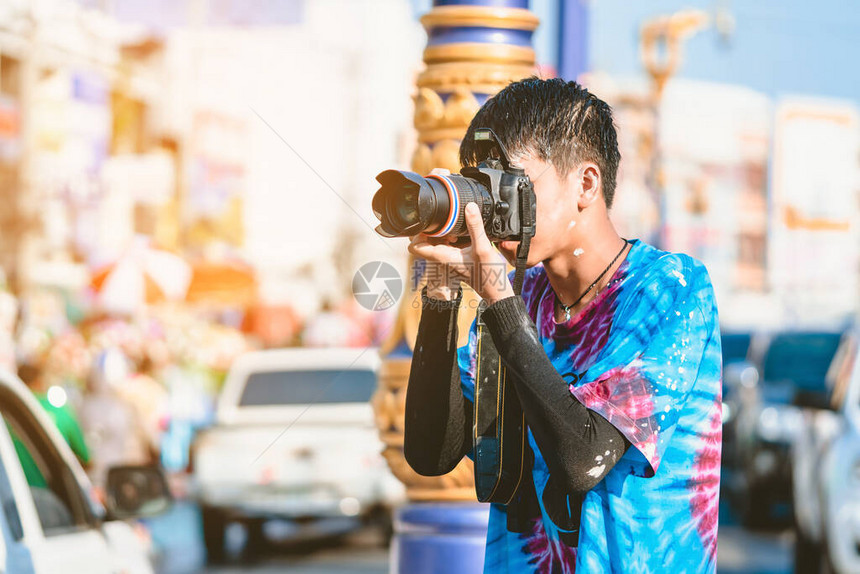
567, 308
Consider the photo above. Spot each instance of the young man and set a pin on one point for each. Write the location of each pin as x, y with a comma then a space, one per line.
616, 349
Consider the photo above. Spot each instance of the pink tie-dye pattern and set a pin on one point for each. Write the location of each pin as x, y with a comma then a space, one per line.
622, 395
549, 555
625, 397
587, 333
706, 484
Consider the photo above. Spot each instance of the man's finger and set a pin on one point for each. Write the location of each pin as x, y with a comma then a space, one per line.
444, 240
430, 252
475, 224
418, 245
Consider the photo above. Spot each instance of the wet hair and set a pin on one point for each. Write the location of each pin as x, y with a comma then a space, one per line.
555, 121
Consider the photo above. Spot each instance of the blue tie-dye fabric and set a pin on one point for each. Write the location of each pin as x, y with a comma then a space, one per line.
645, 354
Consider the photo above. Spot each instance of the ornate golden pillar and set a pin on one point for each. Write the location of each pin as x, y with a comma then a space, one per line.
473, 50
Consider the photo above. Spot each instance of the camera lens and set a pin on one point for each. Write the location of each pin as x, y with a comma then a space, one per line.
406, 210
407, 204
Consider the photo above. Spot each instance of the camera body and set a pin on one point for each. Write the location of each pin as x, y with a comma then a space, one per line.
508, 189
407, 204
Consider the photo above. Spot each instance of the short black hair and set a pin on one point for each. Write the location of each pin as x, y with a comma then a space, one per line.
558, 122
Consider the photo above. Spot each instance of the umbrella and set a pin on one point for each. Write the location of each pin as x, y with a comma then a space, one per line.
141, 276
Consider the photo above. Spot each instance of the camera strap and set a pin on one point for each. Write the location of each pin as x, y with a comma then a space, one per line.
499, 433
502, 454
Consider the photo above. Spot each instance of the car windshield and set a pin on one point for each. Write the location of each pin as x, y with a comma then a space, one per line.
735, 347
801, 358
310, 386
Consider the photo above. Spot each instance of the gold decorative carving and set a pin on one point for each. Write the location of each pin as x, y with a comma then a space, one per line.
488, 53
422, 159
439, 134
431, 113
446, 154
460, 108
481, 78
429, 109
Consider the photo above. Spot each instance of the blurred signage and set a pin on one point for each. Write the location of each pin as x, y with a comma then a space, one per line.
814, 242
10, 128
213, 211
255, 12
162, 14
715, 141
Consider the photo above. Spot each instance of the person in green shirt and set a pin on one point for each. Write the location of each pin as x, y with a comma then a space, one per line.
55, 403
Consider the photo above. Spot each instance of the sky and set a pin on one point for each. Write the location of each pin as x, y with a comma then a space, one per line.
778, 47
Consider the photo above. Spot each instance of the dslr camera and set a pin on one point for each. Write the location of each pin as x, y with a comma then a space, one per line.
407, 204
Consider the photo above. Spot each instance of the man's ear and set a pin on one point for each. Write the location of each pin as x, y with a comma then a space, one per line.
591, 183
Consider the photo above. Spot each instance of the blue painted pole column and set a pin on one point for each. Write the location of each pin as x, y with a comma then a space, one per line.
474, 49
572, 38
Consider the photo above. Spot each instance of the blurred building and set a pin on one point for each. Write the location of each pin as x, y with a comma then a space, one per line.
291, 124
251, 132
218, 129
755, 140
80, 162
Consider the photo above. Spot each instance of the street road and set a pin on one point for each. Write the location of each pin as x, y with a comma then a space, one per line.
345, 559
740, 551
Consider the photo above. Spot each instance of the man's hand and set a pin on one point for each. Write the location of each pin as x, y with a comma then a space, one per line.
478, 264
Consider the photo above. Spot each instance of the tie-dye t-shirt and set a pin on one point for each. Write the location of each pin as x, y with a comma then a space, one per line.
645, 355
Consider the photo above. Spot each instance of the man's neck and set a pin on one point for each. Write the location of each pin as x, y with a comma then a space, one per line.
584, 257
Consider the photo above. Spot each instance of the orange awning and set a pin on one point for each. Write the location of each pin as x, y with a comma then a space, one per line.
222, 284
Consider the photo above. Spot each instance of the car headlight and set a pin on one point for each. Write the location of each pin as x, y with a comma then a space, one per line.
727, 413
779, 423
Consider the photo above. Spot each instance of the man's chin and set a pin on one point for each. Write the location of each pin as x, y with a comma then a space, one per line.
508, 247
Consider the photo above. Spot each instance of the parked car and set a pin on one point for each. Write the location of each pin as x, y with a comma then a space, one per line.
793, 369
50, 522
826, 473
294, 439
736, 348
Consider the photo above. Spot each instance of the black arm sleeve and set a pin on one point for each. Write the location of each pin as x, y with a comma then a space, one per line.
579, 446
438, 429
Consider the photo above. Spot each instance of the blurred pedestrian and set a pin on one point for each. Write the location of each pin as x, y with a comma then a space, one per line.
112, 427
54, 400
148, 397
333, 328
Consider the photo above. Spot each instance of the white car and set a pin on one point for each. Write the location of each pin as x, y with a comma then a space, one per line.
826, 473
294, 439
50, 523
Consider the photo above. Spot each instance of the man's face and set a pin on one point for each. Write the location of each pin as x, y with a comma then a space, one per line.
557, 212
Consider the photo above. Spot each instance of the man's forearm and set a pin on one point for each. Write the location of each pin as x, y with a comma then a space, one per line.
577, 443
438, 417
